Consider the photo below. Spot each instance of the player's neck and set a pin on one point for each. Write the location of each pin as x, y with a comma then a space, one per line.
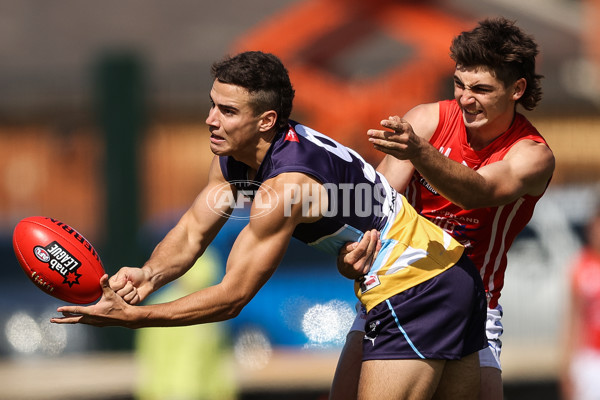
257, 153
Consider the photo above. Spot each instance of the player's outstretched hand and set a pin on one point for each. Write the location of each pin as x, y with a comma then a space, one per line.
398, 139
355, 259
111, 310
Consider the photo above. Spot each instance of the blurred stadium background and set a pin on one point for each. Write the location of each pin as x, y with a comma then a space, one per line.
102, 108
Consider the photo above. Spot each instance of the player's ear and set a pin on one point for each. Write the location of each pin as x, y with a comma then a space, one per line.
519, 88
267, 121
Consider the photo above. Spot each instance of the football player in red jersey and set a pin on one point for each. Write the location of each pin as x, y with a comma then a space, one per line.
581, 366
473, 165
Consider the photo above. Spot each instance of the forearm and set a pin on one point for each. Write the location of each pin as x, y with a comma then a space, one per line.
243, 279
171, 258
397, 172
212, 304
456, 182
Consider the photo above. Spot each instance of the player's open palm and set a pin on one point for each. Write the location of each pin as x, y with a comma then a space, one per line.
110, 310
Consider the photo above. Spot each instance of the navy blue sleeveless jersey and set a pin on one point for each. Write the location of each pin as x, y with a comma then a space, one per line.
359, 198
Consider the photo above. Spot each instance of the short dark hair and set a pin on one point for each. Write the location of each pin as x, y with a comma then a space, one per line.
264, 76
502, 47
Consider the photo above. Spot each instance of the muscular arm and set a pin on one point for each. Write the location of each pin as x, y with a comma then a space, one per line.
254, 257
196, 229
526, 168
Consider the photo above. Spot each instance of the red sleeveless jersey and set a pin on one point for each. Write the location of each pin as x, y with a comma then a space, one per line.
585, 281
487, 233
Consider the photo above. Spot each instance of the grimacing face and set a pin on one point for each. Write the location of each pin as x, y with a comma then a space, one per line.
487, 105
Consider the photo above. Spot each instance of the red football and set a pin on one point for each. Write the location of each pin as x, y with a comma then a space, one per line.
58, 259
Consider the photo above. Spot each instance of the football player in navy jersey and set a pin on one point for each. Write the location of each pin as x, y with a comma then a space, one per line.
424, 334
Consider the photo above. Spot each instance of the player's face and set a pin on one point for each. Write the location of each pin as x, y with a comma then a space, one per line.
487, 105
233, 125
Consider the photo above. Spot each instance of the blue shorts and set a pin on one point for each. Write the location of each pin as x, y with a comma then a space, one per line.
442, 318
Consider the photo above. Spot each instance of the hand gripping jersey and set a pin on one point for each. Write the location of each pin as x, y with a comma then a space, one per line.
486, 233
413, 249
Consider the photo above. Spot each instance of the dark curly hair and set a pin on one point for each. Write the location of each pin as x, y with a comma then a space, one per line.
264, 76
501, 46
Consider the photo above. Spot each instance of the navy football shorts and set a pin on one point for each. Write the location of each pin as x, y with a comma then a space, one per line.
442, 318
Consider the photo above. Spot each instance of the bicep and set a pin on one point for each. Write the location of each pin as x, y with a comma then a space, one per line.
258, 250
252, 260
525, 170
